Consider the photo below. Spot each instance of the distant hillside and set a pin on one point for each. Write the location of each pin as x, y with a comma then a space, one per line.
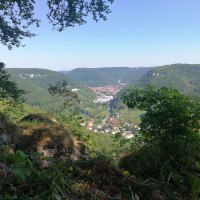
184, 77
36, 83
106, 76
40, 77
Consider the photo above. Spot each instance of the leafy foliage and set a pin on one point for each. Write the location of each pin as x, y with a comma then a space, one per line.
10, 95
17, 16
177, 114
15, 19
62, 89
71, 100
169, 135
25, 178
13, 109
66, 13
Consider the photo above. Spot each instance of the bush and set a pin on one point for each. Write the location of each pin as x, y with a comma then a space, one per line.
169, 140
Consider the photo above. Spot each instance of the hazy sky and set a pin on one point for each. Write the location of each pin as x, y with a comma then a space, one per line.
137, 33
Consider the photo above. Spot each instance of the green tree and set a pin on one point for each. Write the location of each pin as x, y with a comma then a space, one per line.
16, 16
8, 88
71, 100
171, 119
169, 140
10, 95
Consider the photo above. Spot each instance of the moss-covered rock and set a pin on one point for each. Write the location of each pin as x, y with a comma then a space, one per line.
39, 118
50, 140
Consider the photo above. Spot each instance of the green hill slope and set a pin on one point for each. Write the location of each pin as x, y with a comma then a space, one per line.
40, 77
184, 77
36, 83
106, 76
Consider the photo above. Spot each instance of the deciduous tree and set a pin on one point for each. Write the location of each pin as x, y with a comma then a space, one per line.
169, 140
16, 16
71, 100
170, 117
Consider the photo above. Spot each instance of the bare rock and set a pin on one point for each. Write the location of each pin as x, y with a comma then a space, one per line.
51, 141
5, 138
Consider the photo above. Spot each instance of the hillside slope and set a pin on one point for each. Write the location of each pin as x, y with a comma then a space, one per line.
106, 76
36, 83
184, 77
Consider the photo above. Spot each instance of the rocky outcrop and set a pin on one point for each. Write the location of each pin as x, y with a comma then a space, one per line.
8, 131
46, 137
39, 118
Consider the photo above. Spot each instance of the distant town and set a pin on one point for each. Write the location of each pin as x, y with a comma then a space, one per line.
110, 124
106, 93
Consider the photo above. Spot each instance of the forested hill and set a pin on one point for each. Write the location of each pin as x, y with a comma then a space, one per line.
106, 76
36, 83
40, 77
184, 77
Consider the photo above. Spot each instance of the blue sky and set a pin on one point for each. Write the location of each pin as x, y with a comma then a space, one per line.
137, 33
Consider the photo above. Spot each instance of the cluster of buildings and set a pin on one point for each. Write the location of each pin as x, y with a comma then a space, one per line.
109, 89
105, 93
112, 126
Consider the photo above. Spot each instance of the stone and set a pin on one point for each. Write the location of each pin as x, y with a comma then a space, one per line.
5, 138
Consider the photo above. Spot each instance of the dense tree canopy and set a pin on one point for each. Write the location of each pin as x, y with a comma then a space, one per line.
168, 141
16, 16
171, 122
169, 114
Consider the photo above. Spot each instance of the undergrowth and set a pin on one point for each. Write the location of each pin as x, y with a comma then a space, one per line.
61, 160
